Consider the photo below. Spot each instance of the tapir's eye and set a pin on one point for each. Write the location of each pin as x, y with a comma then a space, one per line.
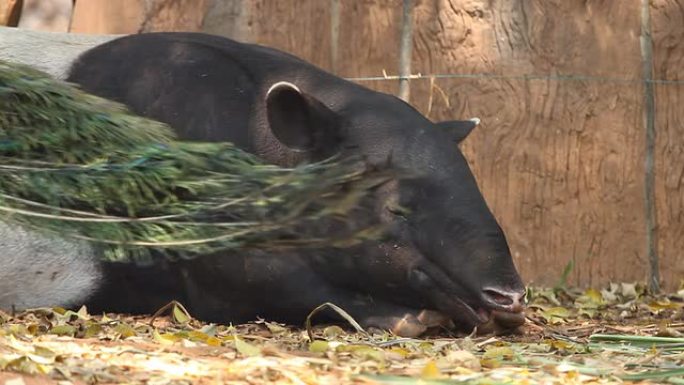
399, 211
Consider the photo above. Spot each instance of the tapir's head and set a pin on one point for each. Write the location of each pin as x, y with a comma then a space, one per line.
443, 241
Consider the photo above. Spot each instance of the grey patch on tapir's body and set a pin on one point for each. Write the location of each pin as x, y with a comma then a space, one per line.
51, 52
38, 270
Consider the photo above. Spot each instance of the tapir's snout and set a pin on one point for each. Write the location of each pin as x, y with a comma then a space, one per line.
506, 309
491, 307
510, 300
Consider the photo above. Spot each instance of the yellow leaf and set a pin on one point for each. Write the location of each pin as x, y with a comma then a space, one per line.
593, 296
319, 346
43, 352
274, 328
333, 331
590, 313
213, 341
430, 370
561, 346
33, 329
498, 352
164, 339
245, 348
197, 336
92, 330
363, 351
24, 364
400, 351
59, 310
179, 316
656, 306
555, 314
125, 330
63, 330
20, 330
490, 363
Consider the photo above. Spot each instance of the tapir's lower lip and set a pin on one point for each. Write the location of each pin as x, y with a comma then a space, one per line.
448, 302
460, 310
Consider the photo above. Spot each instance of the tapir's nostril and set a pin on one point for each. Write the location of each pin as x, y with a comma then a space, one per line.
504, 299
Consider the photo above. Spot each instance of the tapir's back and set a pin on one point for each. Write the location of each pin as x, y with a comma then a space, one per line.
206, 87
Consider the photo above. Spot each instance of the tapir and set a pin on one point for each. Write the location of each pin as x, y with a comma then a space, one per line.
444, 259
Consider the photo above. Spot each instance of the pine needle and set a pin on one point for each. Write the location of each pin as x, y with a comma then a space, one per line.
81, 166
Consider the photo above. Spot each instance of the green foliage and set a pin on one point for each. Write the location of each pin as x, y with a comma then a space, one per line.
80, 166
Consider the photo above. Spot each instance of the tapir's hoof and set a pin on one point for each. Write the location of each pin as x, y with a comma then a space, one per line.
409, 325
406, 326
431, 318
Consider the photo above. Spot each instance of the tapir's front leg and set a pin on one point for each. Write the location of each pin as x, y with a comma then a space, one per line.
284, 287
240, 287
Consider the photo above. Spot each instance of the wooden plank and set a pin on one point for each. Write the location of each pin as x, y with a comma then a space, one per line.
229, 18
300, 27
10, 12
41, 15
134, 16
107, 17
405, 50
668, 37
366, 38
649, 129
370, 40
560, 162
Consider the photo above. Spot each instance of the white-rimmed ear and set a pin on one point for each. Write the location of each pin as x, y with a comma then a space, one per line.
459, 129
282, 84
299, 121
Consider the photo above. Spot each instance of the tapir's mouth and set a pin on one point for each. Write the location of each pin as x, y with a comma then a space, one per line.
447, 297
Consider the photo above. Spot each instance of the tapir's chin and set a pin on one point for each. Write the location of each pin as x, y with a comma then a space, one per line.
502, 322
447, 300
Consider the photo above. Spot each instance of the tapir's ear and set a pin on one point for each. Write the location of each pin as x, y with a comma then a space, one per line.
300, 121
459, 129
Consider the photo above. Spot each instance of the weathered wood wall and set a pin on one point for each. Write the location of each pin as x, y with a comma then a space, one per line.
561, 161
668, 37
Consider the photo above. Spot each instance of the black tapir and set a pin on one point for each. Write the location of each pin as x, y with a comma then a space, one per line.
445, 256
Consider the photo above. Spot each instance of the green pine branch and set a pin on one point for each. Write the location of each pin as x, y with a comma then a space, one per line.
81, 166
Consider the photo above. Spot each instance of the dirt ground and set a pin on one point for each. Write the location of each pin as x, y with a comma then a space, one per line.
619, 334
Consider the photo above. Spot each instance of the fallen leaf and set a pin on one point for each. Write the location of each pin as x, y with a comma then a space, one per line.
245, 348
63, 330
464, 359
430, 370
179, 316
124, 330
318, 346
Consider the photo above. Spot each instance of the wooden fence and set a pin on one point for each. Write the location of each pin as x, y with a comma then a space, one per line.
581, 149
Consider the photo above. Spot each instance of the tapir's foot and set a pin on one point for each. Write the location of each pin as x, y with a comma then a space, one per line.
409, 324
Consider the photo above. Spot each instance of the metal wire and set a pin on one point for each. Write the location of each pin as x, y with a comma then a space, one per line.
519, 77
